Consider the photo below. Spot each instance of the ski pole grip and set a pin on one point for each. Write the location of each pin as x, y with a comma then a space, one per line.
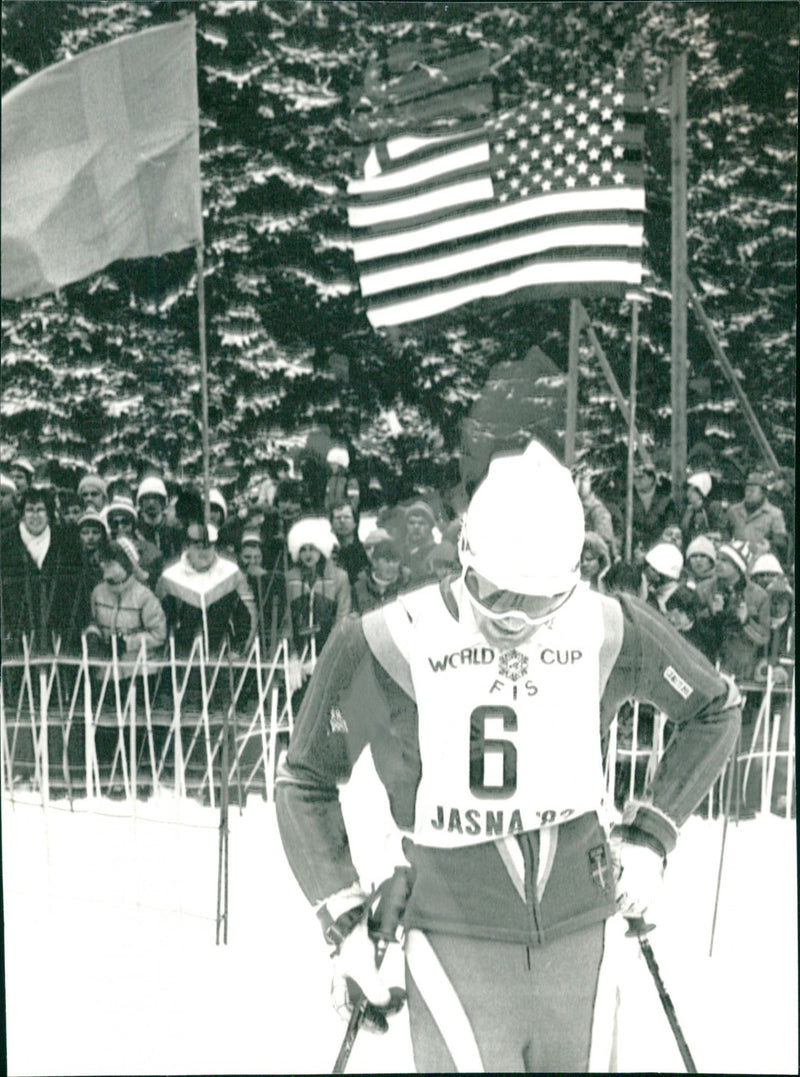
637, 926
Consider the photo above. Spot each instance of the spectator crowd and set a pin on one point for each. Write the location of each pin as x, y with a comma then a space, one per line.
118, 566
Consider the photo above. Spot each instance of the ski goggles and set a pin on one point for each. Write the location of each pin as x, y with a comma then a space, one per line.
510, 607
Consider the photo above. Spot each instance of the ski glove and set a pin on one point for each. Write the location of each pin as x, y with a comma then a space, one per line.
359, 927
640, 872
355, 974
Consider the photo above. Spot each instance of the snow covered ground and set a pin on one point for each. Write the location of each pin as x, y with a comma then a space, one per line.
112, 967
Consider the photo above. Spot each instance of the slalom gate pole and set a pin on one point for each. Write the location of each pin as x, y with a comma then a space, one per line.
222, 858
637, 927
730, 771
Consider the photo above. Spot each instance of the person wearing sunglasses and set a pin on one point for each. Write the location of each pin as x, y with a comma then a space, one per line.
204, 593
485, 699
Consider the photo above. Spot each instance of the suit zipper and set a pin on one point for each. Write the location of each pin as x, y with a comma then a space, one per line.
529, 843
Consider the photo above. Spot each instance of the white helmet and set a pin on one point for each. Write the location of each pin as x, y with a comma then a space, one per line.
524, 527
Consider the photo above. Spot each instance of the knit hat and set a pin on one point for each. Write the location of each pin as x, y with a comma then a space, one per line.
421, 508
666, 559
8, 484
152, 484
24, 464
702, 545
766, 562
756, 478
92, 516
92, 482
250, 538
378, 534
311, 531
736, 552
215, 498
701, 480
338, 455
385, 548
120, 504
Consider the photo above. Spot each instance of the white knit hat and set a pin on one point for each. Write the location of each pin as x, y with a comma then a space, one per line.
311, 531
338, 455
8, 484
702, 545
766, 562
215, 498
524, 526
92, 516
152, 484
701, 480
665, 558
92, 482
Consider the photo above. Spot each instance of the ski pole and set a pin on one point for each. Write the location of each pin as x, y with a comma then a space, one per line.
357, 1016
383, 927
638, 927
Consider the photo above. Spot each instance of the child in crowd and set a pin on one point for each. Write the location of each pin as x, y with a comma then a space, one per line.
701, 557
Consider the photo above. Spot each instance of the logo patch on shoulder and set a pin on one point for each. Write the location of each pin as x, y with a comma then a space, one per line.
678, 683
337, 723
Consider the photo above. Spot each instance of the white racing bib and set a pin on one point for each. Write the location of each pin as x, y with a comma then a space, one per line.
509, 740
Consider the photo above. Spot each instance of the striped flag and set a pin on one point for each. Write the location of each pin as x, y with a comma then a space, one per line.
540, 201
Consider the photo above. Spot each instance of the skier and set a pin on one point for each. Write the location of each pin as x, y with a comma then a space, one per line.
485, 699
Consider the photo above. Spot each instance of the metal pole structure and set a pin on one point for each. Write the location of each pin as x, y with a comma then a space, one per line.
605, 366
631, 429
679, 365
724, 362
572, 381
201, 317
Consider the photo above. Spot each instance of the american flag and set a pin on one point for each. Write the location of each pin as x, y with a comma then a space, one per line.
540, 201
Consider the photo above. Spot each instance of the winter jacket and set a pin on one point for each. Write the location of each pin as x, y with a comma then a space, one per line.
38, 602
367, 594
316, 603
766, 523
649, 521
526, 885
598, 520
736, 645
352, 558
418, 564
213, 603
132, 613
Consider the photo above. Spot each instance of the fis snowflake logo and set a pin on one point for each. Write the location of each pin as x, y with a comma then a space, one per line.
513, 665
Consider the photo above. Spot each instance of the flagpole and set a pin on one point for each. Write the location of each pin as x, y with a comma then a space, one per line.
201, 318
572, 382
679, 360
631, 431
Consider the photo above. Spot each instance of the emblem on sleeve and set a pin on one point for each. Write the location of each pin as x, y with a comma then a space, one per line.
678, 683
337, 723
513, 665
598, 865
